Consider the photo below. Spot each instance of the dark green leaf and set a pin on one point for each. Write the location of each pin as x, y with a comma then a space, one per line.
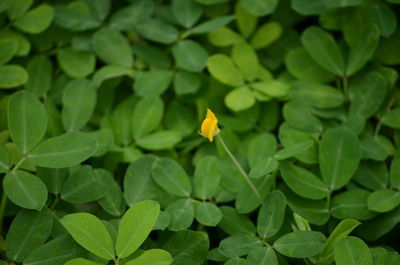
300, 244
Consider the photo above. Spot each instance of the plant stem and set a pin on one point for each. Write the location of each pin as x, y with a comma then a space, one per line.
244, 174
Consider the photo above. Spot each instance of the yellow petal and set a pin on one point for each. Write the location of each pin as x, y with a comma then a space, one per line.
209, 127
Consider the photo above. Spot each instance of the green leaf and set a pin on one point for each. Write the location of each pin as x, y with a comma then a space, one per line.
16, 9
240, 99
339, 156
135, 226
139, 171
27, 120
363, 40
109, 72
113, 201
5, 160
54, 178
56, 251
266, 35
383, 200
394, 171
79, 100
152, 83
263, 167
368, 95
293, 150
352, 251
186, 82
206, 178
190, 55
316, 94
392, 118
271, 88
76, 16
159, 140
186, 12
105, 139
351, 204
81, 261
212, 24
182, 214
89, 232
8, 48
303, 182
65, 150
234, 223
188, 247
171, 177
246, 22
84, 185
323, 49
208, 214
157, 31
246, 200
152, 257
388, 258
147, 116
76, 63
224, 36
384, 17
222, 68
29, 230
372, 175
112, 47
262, 256
128, 17
238, 245
25, 190
12, 75
302, 66
271, 214
259, 7
246, 60
300, 116
342, 230
40, 72
300, 244
36, 20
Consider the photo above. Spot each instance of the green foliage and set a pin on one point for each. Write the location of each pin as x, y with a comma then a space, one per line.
102, 103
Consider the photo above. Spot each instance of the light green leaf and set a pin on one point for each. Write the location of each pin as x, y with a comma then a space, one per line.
271, 214
79, 100
300, 244
27, 120
28, 230
65, 150
81, 261
76, 63
339, 156
25, 190
246, 60
147, 115
222, 68
35, 20
224, 36
12, 75
152, 257
152, 83
89, 232
383, 200
271, 88
159, 140
240, 99
266, 35
112, 47
246, 22
181, 214
8, 48
135, 226
206, 178
352, 251
5, 160
262, 256
324, 50
212, 24
171, 177
208, 214
190, 55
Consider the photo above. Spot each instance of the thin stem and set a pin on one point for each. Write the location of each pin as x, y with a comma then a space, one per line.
244, 174
2, 209
55, 202
18, 165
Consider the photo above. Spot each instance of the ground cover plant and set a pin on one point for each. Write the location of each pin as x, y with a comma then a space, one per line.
190, 132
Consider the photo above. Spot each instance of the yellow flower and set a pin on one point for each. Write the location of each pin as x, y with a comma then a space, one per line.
209, 127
